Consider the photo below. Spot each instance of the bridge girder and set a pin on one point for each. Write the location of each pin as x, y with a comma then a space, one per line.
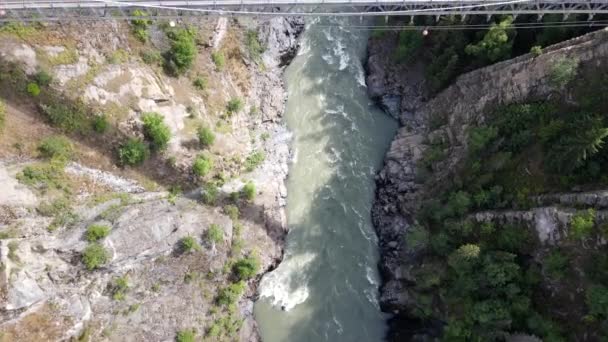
89, 9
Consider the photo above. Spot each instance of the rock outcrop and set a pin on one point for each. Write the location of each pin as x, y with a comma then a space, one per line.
43, 281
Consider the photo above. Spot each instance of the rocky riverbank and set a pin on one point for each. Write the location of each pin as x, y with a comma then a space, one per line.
99, 65
399, 89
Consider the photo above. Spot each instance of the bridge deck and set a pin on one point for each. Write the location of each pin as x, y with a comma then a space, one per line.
19, 8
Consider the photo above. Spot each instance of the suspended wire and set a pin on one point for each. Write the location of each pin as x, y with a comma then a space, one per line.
309, 14
593, 23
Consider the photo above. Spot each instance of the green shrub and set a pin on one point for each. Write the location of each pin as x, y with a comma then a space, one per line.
205, 136
254, 160
96, 232
231, 294
156, 131
181, 54
536, 50
254, 46
200, 83
94, 256
215, 234
232, 211
56, 146
581, 224
188, 244
218, 60
33, 89
66, 118
119, 288
209, 193
133, 152
234, 105
140, 25
562, 71
152, 57
202, 165
100, 123
185, 335
43, 79
246, 268
248, 191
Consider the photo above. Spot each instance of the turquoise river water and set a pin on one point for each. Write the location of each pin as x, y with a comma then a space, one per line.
326, 288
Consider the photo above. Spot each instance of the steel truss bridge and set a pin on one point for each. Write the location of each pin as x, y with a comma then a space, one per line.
42, 10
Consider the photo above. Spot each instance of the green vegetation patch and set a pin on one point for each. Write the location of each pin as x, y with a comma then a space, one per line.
189, 244
181, 54
187, 335
248, 192
56, 146
95, 256
156, 131
133, 152
96, 232
254, 160
246, 268
215, 234
202, 165
206, 137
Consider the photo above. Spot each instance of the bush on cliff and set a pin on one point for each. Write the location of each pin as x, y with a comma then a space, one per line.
181, 54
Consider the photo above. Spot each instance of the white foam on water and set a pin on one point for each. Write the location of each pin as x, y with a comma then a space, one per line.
329, 59
360, 75
340, 328
369, 274
304, 47
340, 51
276, 284
328, 35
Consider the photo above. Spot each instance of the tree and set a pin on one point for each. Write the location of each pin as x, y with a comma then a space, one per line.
464, 257
156, 131
497, 42
584, 139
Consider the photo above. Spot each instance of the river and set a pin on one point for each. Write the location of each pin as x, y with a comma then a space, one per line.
326, 287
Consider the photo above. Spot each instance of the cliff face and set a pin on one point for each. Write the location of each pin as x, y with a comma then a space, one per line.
45, 291
444, 119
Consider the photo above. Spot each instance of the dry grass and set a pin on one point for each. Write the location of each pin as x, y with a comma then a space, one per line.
42, 325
